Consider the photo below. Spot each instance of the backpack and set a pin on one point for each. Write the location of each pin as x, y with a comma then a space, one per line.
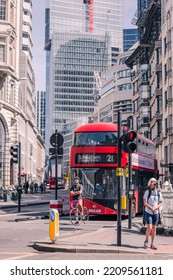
149, 194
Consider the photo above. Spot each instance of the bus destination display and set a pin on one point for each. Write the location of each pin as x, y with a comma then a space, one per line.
95, 158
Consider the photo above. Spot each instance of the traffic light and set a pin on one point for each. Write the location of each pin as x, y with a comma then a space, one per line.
127, 138
14, 151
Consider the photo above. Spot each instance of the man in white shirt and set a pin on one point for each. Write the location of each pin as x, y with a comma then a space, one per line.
152, 202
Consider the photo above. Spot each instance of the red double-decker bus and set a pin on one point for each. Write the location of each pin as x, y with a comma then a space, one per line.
94, 159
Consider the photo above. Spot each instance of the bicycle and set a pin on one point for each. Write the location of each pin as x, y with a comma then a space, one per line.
76, 216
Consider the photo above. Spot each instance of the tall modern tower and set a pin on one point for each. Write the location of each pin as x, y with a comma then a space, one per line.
41, 111
82, 37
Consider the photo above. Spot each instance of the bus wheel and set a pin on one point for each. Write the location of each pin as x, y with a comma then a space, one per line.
133, 209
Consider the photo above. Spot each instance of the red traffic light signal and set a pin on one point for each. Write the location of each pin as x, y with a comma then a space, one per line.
127, 141
132, 135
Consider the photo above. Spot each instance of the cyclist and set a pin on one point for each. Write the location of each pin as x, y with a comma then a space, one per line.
76, 193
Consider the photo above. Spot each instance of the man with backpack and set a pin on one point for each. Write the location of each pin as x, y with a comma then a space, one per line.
152, 202
76, 192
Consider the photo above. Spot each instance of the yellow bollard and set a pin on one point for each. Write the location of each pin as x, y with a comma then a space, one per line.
54, 225
123, 202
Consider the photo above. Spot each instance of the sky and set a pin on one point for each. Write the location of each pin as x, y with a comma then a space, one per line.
39, 55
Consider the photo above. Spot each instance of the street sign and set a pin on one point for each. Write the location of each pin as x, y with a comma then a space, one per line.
55, 151
56, 139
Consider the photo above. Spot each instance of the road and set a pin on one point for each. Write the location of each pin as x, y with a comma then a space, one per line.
19, 232
17, 238
27, 199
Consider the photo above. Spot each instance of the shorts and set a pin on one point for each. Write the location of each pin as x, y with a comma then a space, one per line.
75, 202
152, 219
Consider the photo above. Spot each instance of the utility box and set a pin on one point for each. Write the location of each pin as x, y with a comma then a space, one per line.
167, 193
7, 197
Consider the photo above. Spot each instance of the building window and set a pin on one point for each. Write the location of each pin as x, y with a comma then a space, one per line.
11, 97
159, 102
12, 13
25, 34
166, 126
166, 99
25, 48
165, 72
159, 79
159, 127
123, 74
166, 154
125, 86
2, 53
164, 45
3, 9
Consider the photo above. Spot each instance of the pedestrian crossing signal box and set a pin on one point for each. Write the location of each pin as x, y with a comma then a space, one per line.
119, 171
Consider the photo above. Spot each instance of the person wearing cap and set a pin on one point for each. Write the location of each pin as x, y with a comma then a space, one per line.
76, 193
152, 202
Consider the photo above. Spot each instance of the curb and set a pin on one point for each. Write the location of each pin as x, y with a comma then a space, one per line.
45, 248
31, 218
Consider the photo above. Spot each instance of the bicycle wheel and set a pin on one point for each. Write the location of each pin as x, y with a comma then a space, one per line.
85, 216
75, 216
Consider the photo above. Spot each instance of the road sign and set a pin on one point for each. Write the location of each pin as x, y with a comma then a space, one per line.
55, 151
56, 139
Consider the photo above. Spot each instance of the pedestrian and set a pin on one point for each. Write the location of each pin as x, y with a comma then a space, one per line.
44, 186
32, 187
26, 187
36, 187
41, 187
152, 202
76, 193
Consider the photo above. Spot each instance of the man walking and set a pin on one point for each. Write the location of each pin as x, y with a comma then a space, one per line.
152, 202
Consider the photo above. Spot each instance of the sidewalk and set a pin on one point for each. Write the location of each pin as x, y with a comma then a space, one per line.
104, 240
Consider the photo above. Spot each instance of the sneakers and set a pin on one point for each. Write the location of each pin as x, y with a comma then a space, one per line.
153, 247
76, 223
145, 243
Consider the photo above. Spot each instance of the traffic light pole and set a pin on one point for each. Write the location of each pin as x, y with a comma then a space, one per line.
130, 188
56, 165
19, 176
119, 182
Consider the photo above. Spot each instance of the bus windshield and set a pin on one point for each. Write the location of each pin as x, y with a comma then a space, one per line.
105, 138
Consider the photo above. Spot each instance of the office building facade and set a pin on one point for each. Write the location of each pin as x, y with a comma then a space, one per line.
74, 53
130, 37
116, 93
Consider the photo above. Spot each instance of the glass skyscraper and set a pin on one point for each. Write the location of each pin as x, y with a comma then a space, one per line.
74, 55
130, 37
70, 16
